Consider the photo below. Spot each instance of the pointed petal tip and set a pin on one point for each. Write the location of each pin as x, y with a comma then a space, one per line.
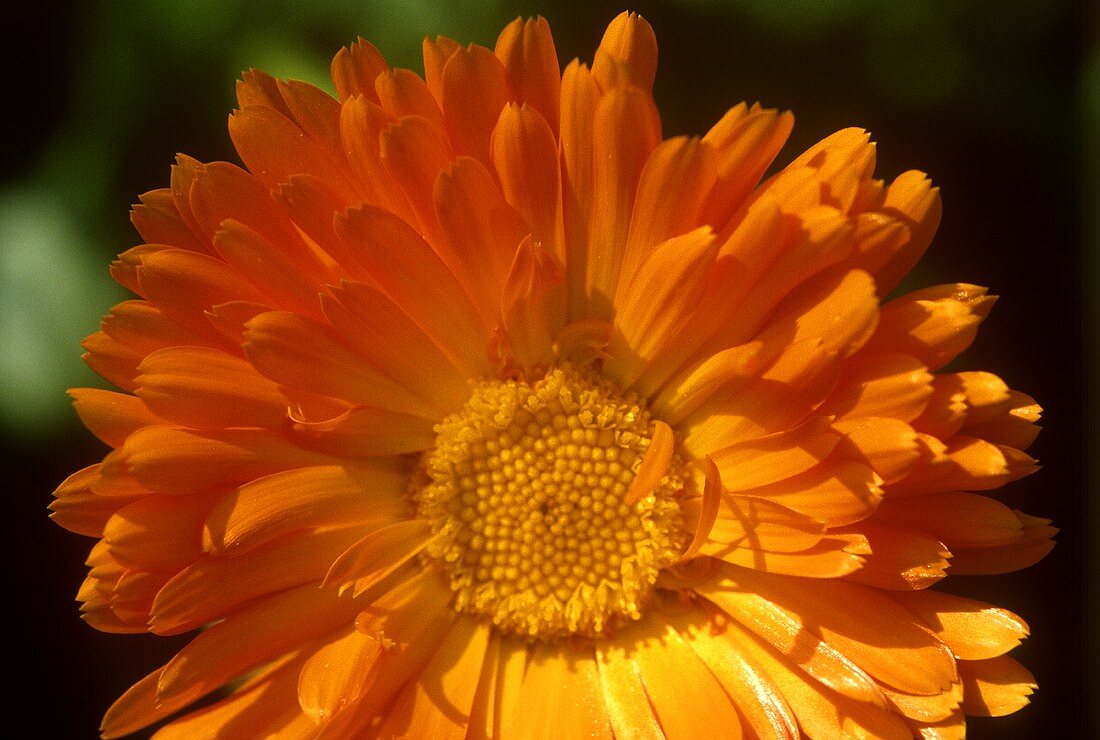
654, 463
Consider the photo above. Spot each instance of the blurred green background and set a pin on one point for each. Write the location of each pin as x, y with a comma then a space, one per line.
998, 101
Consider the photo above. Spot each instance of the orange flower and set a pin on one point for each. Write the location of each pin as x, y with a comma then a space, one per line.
474, 408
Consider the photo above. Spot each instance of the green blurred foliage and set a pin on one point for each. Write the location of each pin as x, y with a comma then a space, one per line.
43, 315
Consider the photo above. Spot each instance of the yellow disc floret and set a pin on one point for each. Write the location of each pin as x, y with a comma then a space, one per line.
528, 486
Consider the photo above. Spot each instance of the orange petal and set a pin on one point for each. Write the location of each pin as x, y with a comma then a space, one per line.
668, 283
285, 283
179, 461
654, 464
436, 53
758, 238
781, 630
334, 675
378, 554
475, 88
865, 626
355, 68
995, 687
375, 327
213, 587
526, 48
115, 480
403, 93
778, 399
231, 320
1032, 547
159, 221
945, 412
274, 148
832, 557
973, 630
311, 204
934, 325
139, 707
301, 353
123, 269
401, 263
952, 728
415, 152
314, 111
675, 178
628, 45
987, 396
265, 704
775, 457
625, 130
836, 492
900, 558
524, 153
972, 464
260, 88
78, 509
759, 524
685, 696
111, 416
583, 341
251, 637
183, 175
580, 97
912, 200
932, 463
278, 504
317, 114
561, 689
533, 305
957, 519
499, 685
758, 700
117, 599
361, 125
842, 164
695, 384
438, 704
411, 620
481, 231
878, 237
363, 431
708, 510
820, 712
887, 446
162, 533
207, 389
184, 285
761, 277
884, 384
745, 141
927, 709
1014, 425
628, 707
838, 307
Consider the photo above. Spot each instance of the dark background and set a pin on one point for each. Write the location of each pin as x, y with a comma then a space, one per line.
997, 101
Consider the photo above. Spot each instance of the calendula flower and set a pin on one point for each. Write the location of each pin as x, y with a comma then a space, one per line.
472, 407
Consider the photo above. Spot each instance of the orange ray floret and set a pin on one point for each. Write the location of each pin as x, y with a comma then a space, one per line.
473, 407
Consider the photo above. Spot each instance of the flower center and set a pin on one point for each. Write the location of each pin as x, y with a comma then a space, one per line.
528, 485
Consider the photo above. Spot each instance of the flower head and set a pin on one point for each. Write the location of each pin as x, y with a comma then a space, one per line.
471, 406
